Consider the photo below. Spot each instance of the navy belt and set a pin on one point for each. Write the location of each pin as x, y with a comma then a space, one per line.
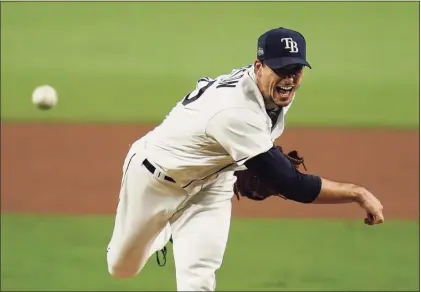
152, 170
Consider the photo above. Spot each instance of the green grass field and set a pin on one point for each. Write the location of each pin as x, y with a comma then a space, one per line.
133, 61
68, 253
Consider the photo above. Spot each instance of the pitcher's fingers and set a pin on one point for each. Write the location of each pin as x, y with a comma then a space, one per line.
378, 218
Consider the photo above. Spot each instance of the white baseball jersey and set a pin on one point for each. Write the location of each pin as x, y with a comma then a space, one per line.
215, 128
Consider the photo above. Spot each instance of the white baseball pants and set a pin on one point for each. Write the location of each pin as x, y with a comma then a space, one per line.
148, 213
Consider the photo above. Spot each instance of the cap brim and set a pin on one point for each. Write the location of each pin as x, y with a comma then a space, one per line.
279, 63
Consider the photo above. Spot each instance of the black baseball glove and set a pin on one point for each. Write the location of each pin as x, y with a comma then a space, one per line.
250, 186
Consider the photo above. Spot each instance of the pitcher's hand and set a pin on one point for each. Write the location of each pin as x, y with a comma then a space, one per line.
372, 206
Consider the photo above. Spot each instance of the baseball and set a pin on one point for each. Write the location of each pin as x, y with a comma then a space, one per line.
44, 97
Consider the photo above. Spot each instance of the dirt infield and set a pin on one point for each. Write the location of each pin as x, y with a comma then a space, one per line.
76, 169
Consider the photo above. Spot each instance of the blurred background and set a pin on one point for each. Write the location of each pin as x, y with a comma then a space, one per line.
119, 68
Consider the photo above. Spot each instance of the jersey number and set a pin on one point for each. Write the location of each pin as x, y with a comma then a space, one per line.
229, 82
194, 95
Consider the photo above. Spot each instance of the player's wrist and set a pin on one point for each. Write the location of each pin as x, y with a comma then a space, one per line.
357, 193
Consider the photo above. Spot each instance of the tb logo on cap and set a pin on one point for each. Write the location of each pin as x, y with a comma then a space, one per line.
290, 45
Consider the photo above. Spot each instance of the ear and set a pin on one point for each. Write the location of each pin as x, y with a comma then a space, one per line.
257, 64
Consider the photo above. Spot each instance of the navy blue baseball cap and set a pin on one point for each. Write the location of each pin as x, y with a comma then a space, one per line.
281, 47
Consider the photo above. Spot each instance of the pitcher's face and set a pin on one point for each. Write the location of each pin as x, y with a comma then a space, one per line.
278, 87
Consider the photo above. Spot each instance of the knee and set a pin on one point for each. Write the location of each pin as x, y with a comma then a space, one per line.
121, 272
121, 269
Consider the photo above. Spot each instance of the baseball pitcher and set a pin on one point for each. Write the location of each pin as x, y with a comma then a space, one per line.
179, 179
